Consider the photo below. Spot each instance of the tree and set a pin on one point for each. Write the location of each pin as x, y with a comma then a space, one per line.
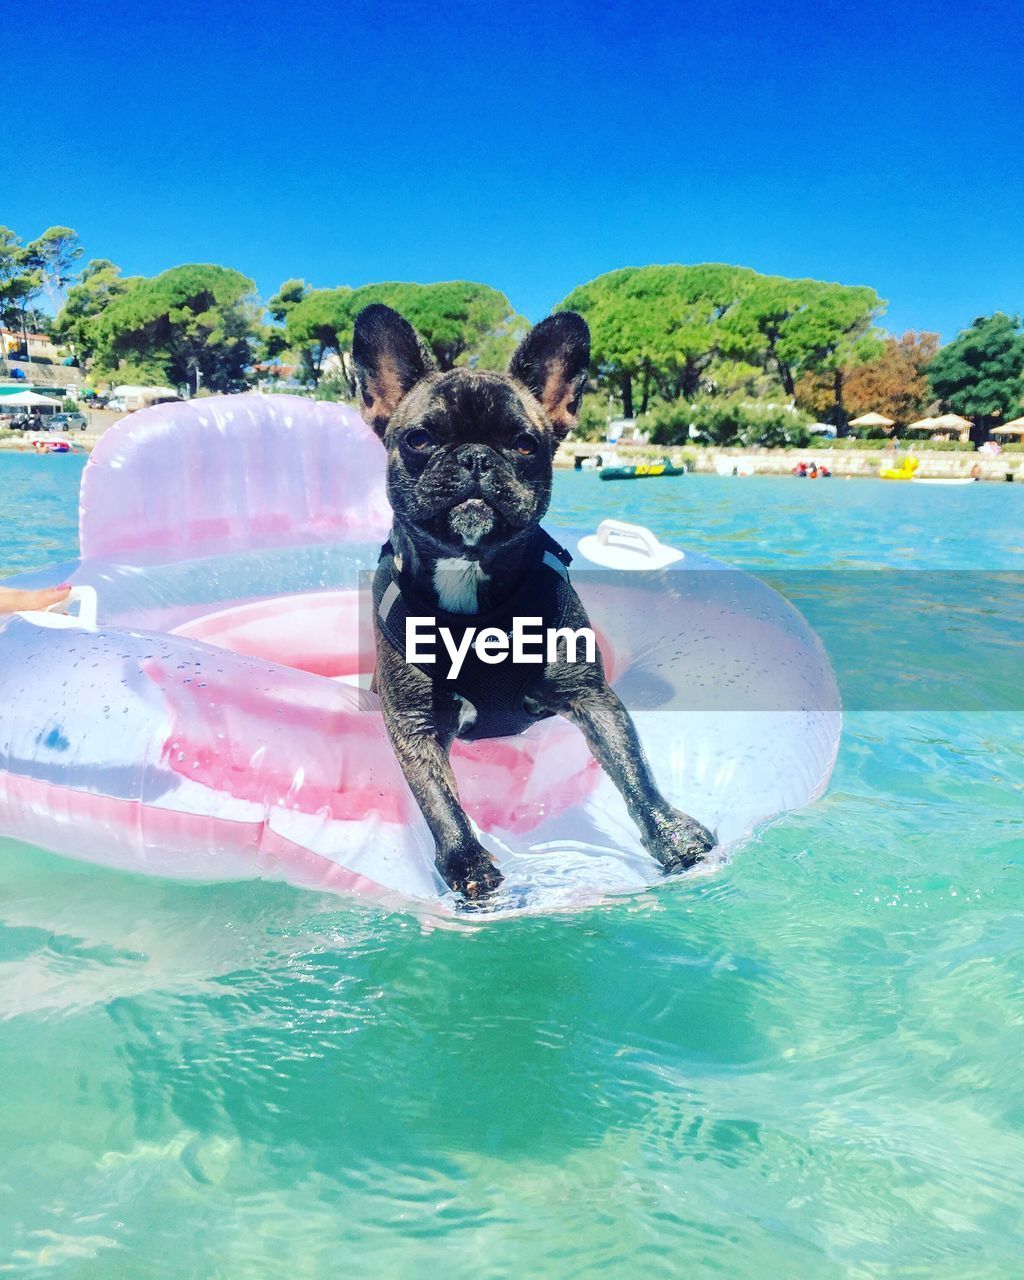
54, 255
20, 281
656, 330
318, 322
893, 383
289, 295
193, 325
981, 372
274, 338
799, 327
459, 320
99, 285
675, 331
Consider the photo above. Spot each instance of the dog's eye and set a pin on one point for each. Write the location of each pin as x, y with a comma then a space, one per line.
524, 444
419, 439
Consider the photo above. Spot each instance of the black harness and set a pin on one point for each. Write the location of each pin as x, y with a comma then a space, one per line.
497, 691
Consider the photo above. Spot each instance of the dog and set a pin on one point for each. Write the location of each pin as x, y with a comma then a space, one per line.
469, 474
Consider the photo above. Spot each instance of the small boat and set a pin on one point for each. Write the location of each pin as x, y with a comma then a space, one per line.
642, 471
949, 480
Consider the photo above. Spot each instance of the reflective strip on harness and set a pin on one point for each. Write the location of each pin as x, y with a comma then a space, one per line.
387, 601
553, 562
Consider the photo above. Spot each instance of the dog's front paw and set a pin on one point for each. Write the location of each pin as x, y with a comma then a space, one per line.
681, 842
470, 871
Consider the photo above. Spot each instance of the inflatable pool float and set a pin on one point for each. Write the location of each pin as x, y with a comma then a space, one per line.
203, 710
905, 471
52, 446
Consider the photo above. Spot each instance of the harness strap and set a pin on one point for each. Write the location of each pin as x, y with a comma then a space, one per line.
497, 692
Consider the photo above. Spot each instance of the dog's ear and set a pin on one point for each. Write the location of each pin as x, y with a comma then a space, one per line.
389, 360
552, 360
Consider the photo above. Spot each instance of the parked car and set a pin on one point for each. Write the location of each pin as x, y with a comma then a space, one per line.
117, 404
69, 422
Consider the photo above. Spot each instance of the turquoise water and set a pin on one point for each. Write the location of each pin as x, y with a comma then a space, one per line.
808, 1065
38, 509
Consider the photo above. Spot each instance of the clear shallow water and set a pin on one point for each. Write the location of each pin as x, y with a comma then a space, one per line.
808, 1065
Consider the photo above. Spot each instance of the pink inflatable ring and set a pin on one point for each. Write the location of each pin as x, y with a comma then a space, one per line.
203, 709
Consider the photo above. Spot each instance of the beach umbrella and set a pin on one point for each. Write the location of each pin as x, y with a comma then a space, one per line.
953, 422
872, 420
1014, 428
922, 424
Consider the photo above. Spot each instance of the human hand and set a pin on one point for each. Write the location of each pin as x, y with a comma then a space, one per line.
14, 601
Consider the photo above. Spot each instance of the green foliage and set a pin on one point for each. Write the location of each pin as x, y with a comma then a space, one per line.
318, 322
654, 330
68, 405
100, 284
333, 386
289, 295
458, 320
803, 326
721, 421
495, 348
981, 373
54, 256
273, 338
851, 442
140, 372
190, 323
20, 280
940, 446
461, 322
673, 331
592, 421
669, 423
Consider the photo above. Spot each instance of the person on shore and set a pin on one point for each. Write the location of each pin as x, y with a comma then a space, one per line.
14, 601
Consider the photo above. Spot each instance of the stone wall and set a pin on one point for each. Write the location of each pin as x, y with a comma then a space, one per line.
934, 464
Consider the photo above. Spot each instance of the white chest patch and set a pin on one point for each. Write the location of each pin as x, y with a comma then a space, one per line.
456, 581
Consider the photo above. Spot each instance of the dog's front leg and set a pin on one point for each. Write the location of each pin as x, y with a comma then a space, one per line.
674, 838
421, 724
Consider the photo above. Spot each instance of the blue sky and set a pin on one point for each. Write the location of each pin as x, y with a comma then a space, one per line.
534, 146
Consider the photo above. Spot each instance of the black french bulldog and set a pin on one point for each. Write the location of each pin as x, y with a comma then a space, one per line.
469, 478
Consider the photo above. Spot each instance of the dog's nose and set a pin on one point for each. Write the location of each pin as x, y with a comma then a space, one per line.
476, 458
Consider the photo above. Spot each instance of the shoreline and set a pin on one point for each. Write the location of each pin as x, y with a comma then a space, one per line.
934, 464
711, 460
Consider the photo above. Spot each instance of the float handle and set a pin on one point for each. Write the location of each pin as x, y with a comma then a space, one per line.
57, 615
634, 536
